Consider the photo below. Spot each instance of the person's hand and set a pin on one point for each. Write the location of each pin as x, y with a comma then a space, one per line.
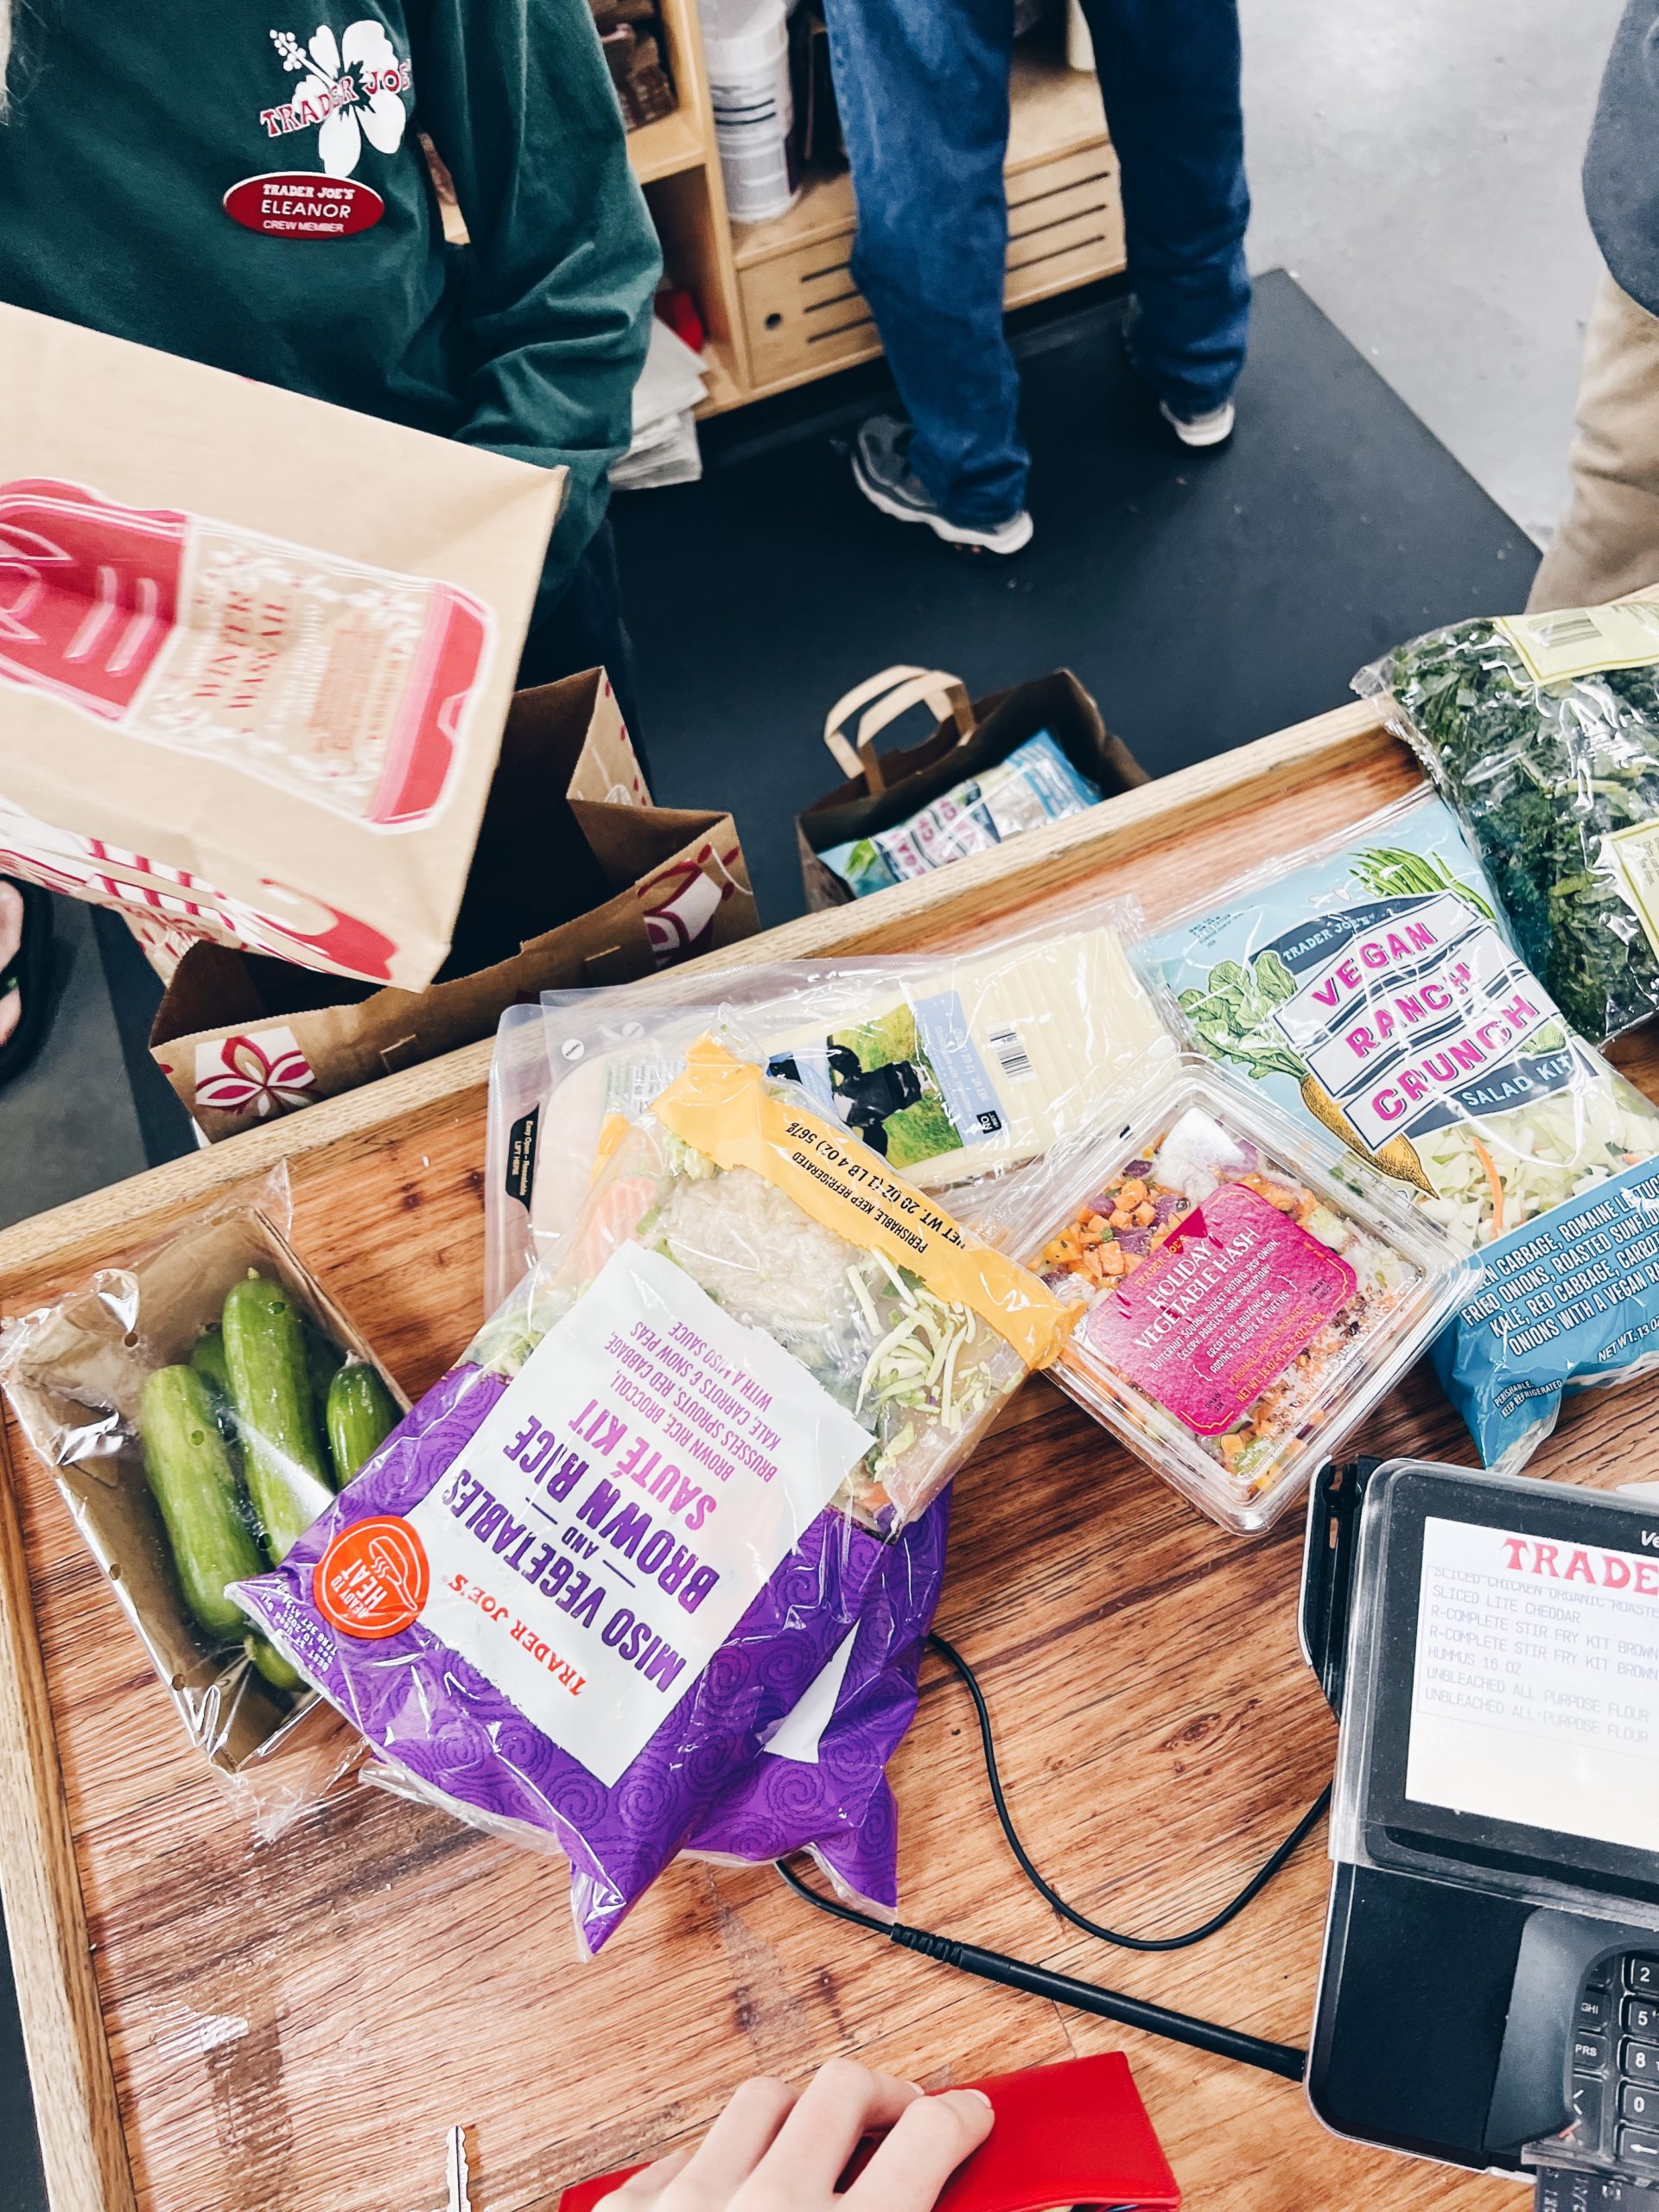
779, 2149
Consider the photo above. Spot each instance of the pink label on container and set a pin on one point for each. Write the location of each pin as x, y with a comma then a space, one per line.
1233, 1296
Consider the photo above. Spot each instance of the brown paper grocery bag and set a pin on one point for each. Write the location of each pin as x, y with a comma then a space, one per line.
601, 887
971, 735
256, 651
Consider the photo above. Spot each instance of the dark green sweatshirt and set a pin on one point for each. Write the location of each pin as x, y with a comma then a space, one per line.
189, 176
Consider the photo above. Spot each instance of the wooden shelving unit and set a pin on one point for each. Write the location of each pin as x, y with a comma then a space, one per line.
778, 299
666, 147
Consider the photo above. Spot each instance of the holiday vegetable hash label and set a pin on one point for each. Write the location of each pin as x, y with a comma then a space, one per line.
1238, 1294
626, 1501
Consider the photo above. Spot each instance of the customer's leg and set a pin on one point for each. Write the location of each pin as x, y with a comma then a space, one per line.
1608, 541
923, 90
1169, 72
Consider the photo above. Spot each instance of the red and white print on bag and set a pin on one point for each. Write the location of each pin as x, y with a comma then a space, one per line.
262, 1073
341, 684
180, 907
349, 95
681, 901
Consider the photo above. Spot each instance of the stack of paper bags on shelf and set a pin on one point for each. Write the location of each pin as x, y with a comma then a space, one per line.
670, 387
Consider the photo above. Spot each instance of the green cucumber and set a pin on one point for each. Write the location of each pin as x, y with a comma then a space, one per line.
194, 1483
362, 1414
323, 1360
276, 1412
272, 1665
207, 1358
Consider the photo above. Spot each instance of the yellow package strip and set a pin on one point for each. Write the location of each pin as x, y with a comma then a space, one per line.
724, 1108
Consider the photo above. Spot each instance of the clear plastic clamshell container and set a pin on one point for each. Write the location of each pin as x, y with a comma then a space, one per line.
1249, 1296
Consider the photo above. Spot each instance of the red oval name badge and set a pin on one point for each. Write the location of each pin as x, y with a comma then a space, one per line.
304, 205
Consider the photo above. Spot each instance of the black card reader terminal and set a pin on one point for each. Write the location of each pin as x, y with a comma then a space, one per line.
1489, 1990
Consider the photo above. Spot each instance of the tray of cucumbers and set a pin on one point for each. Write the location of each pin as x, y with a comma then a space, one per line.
244, 1444
199, 1409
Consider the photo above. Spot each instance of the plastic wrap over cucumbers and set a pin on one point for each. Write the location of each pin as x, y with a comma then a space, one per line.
576, 1591
1370, 986
1542, 731
186, 1403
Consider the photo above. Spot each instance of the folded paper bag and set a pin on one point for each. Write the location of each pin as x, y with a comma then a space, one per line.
1075, 2134
591, 885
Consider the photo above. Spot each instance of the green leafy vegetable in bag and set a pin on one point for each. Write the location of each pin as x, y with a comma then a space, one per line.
1545, 776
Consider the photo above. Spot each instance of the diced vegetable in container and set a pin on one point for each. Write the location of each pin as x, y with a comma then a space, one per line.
1243, 1305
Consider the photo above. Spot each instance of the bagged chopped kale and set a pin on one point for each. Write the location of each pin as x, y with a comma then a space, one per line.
1543, 732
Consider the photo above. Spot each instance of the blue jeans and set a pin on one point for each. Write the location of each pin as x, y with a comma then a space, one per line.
923, 90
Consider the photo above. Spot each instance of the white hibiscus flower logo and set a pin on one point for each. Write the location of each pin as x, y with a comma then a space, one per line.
350, 89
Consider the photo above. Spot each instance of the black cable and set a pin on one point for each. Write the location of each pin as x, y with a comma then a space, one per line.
1252, 1889
1062, 1989
1282, 2059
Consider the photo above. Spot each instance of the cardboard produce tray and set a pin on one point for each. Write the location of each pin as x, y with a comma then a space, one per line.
217, 2025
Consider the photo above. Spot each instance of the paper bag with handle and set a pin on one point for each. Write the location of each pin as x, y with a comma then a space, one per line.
255, 651
595, 886
883, 789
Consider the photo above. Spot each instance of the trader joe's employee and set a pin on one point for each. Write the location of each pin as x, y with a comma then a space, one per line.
249, 187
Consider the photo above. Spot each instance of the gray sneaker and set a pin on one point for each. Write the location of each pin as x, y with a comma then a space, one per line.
882, 472
1200, 430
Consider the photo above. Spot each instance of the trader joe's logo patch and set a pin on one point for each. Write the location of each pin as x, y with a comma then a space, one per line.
350, 88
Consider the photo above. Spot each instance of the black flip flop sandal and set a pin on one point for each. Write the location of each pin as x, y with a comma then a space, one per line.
30, 973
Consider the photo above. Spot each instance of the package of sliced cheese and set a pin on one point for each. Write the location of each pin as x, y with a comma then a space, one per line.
957, 1068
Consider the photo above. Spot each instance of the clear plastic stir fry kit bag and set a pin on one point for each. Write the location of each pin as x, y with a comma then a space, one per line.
1246, 1303
957, 1069
568, 1074
199, 1409
1370, 986
572, 1594
1543, 730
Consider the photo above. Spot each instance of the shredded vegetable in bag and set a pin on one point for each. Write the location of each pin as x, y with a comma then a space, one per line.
566, 1076
1370, 987
1543, 730
956, 1069
574, 1591
910, 1322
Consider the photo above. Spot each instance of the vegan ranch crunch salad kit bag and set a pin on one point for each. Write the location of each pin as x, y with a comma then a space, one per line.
615, 1545
1373, 987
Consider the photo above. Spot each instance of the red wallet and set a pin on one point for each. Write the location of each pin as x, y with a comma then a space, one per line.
1072, 2134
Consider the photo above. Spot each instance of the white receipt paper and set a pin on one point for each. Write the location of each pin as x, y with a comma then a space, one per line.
1536, 1697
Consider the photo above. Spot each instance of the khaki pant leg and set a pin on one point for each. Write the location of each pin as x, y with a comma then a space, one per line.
1608, 541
